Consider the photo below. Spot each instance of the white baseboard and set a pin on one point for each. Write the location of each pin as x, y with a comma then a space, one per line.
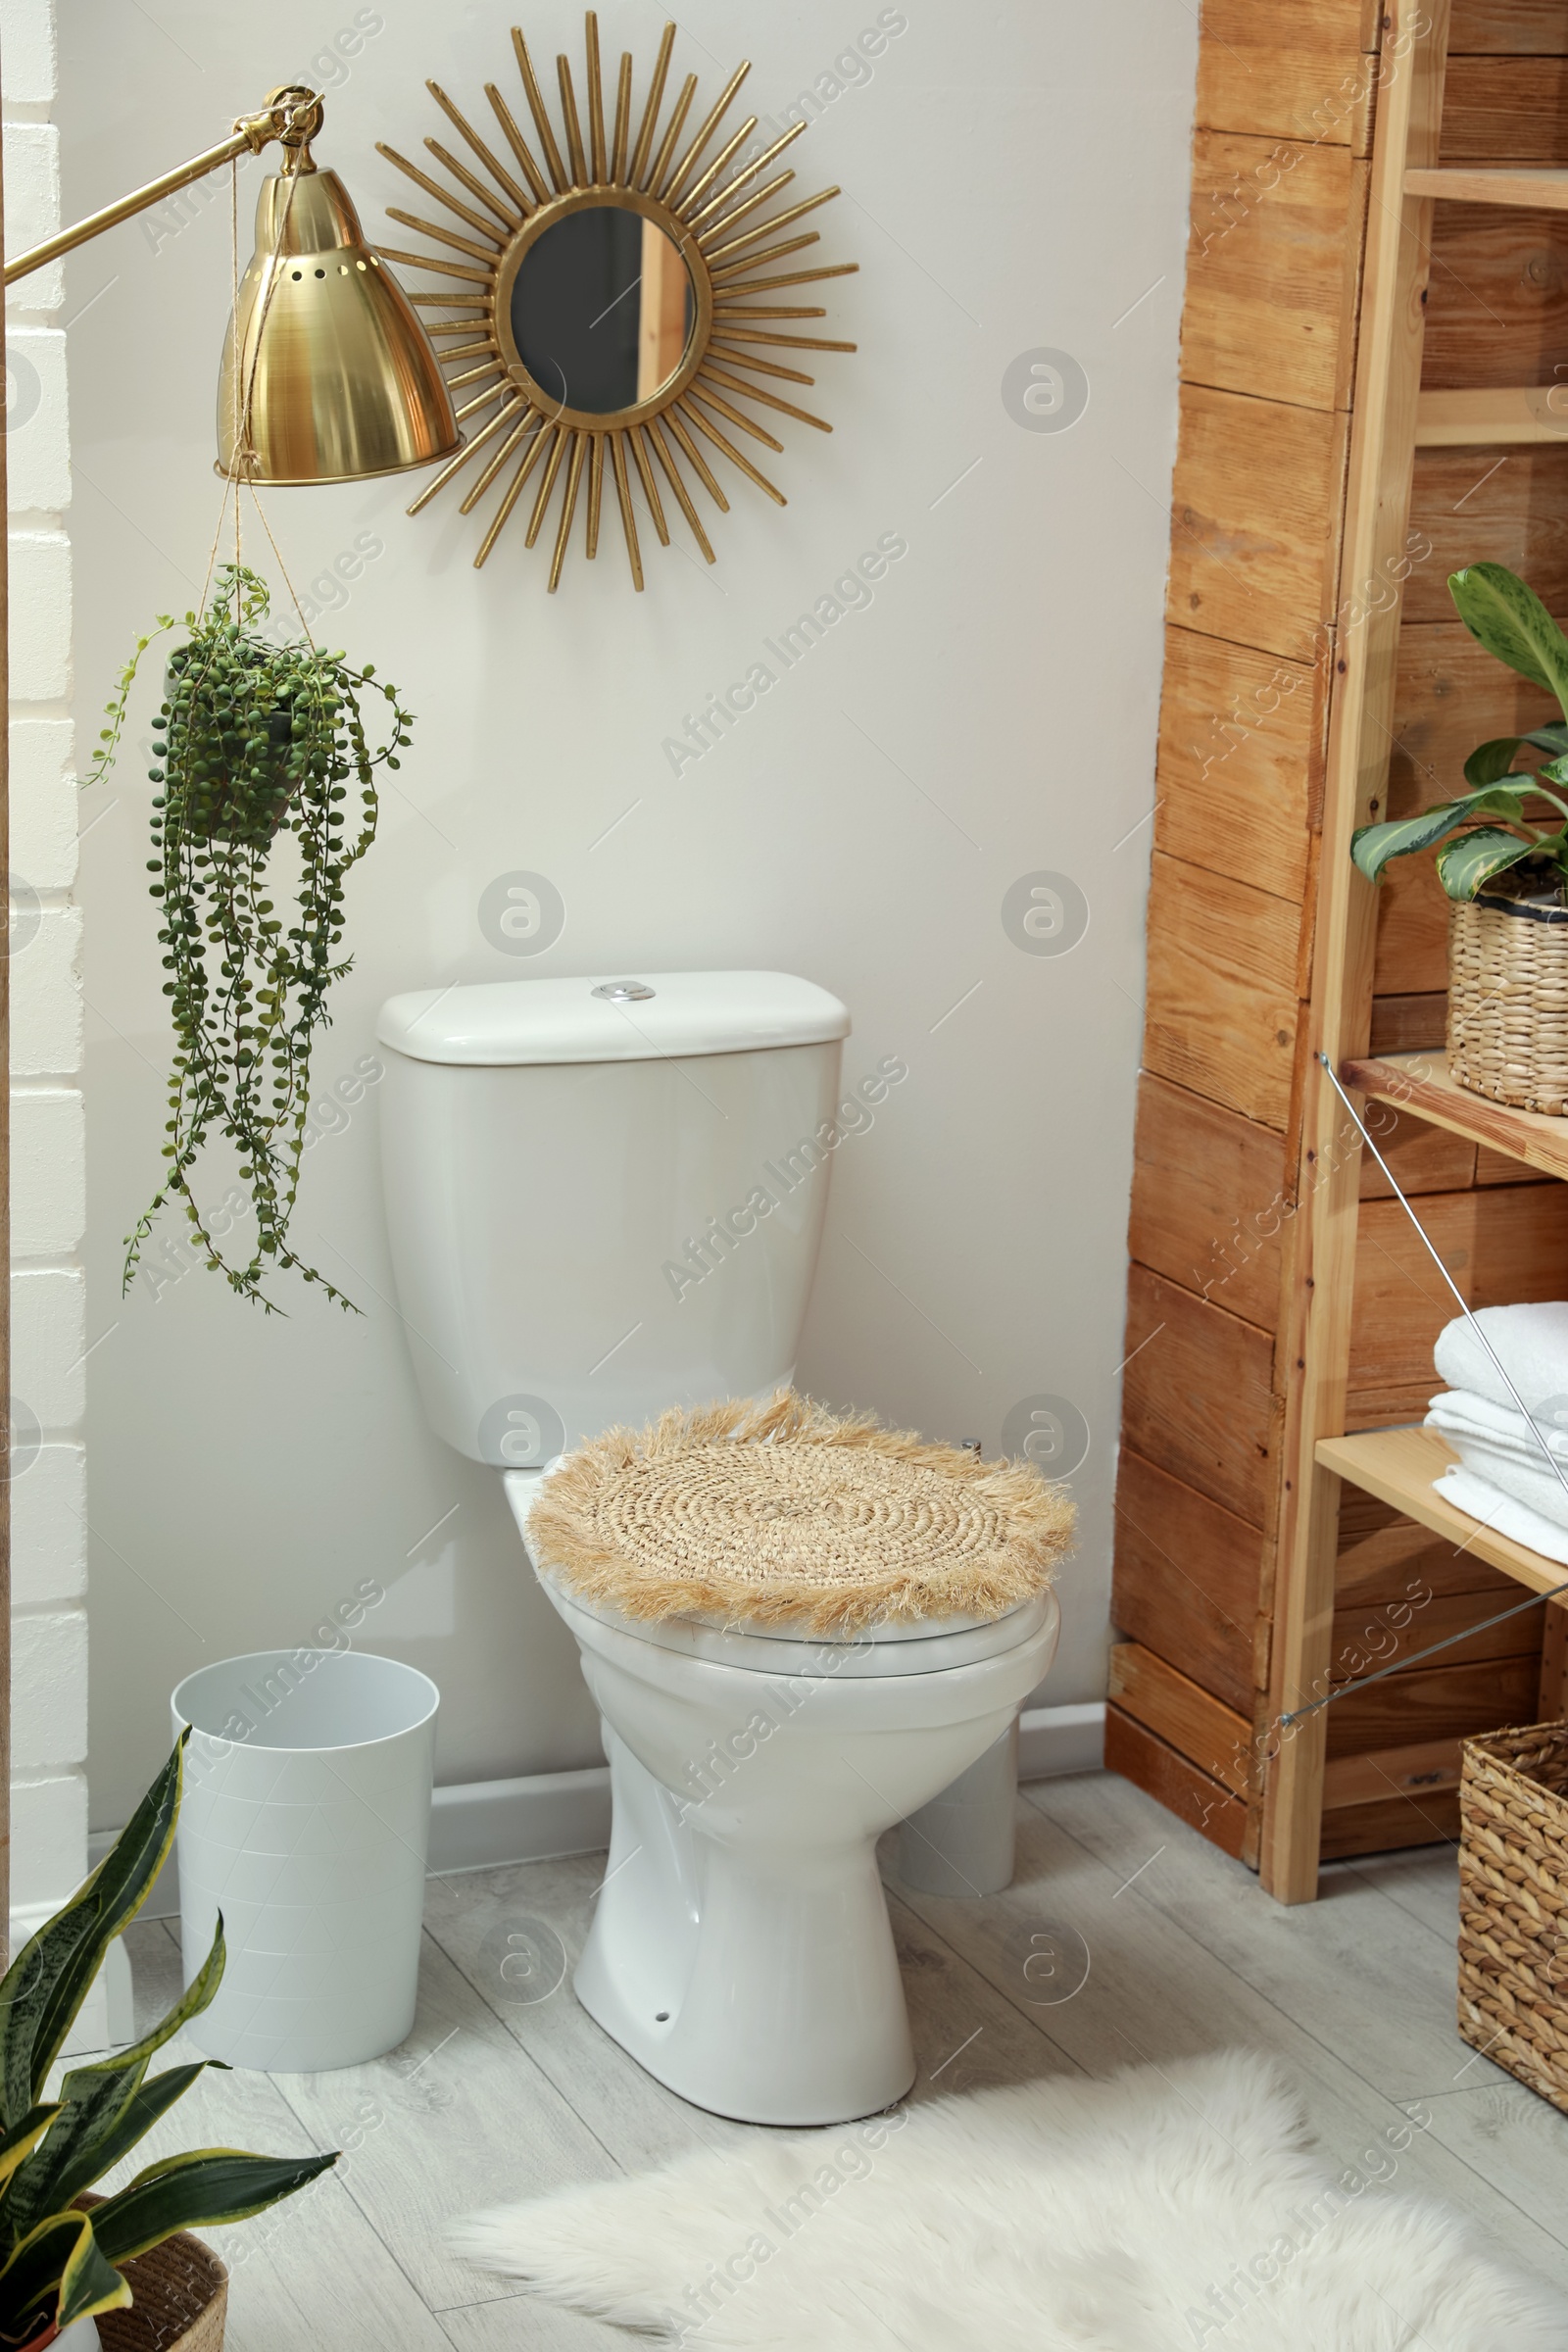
1053, 1741
482, 1823
479, 1825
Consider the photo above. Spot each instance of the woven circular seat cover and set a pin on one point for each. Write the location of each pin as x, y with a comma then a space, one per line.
785, 1511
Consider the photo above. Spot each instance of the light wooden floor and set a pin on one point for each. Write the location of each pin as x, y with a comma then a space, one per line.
507, 2089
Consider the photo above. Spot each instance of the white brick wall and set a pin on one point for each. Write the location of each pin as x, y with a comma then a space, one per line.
40, 608
32, 179
28, 33
43, 801
49, 1623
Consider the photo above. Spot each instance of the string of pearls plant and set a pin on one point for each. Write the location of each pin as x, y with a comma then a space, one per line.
259, 744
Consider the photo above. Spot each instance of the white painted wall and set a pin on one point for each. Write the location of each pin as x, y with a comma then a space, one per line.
48, 1201
1016, 179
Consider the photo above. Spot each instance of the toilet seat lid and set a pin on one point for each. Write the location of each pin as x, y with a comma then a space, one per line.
787, 1513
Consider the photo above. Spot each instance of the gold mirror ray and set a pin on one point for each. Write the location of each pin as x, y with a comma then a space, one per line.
657, 241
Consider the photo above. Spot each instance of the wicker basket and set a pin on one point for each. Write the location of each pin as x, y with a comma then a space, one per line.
1513, 1903
1509, 1002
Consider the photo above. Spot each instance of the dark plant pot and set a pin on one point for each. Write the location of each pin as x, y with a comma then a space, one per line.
255, 814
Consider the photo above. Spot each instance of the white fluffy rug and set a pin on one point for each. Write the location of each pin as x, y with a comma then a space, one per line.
1167, 2210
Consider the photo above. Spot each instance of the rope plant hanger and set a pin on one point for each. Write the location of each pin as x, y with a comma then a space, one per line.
785, 1513
266, 795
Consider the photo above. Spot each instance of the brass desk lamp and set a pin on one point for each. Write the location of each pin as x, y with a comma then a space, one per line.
338, 378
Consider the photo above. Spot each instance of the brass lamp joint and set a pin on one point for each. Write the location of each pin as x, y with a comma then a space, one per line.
293, 114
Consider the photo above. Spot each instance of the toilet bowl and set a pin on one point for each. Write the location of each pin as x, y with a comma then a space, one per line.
741, 1948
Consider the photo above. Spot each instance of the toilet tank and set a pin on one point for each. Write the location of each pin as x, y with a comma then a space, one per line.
603, 1198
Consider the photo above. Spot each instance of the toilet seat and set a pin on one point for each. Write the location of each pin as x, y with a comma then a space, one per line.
932, 1647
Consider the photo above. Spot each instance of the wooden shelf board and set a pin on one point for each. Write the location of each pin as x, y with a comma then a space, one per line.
1419, 1083
1517, 413
1537, 191
1398, 1467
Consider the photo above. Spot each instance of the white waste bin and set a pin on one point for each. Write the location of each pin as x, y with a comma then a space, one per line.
306, 1820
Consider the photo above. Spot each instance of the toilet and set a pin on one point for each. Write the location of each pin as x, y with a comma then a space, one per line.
606, 1197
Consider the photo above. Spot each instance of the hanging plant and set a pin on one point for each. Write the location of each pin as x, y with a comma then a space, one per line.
259, 744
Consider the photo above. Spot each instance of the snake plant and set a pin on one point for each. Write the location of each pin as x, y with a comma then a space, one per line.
1509, 619
58, 2262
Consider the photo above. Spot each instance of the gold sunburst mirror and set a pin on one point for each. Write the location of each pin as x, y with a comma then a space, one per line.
612, 304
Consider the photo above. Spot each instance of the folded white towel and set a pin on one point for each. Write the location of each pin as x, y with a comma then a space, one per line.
1531, 1342
1461, 1411
1504, 1513
1501, 1446
1504, 1467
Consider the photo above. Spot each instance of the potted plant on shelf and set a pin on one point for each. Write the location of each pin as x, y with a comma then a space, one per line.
1502, 858
64, 2254
258, 743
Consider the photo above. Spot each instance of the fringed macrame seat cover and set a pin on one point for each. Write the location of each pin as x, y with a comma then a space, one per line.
785, 1513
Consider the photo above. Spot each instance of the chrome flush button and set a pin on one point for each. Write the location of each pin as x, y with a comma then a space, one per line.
624, 992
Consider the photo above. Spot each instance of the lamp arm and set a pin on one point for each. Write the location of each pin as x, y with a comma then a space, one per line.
292, 114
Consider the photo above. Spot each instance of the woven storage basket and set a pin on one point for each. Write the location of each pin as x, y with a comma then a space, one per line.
1509, 1003
1513, 1903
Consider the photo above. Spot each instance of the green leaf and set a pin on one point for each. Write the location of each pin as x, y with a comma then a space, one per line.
91, 2102
197, 1996
1506, 797
90, 2283
105, 2109
60, 2272
1489, 761
1372, 846
1486, 766
51, 1976
22, 2139
197, 2192
1505, 615
1463, 865
150, 2101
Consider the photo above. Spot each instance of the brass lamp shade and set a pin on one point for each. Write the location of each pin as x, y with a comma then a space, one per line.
341, 379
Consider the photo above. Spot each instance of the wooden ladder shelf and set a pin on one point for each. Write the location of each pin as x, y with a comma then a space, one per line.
1316, 679
1397, 1465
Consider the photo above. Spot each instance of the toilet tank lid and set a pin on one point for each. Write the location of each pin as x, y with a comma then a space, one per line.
522, 1021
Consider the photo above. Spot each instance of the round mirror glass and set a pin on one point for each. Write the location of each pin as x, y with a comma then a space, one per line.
601, 310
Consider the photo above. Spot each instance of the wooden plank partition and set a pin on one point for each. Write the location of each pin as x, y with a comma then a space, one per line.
1316, 677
